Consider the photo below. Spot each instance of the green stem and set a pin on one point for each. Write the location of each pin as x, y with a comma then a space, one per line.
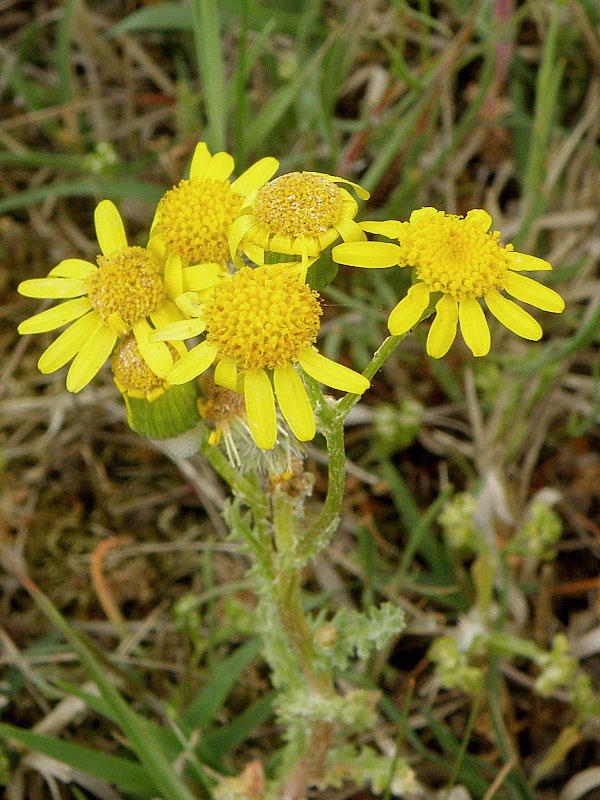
332, 423
379, 358
284, 523
316, 534
299, 633
240, 485
288, 584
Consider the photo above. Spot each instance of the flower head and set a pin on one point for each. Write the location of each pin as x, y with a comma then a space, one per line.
131, 372
114, 299
300, 213
260, 323
155, 409
460, 258
194, 218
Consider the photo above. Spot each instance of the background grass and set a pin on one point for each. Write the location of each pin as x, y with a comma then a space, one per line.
455, 104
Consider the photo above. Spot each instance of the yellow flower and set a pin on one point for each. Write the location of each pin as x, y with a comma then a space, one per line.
131, 373
300, 213
262, 322
193, 220
111, 300
459, 258
155, 408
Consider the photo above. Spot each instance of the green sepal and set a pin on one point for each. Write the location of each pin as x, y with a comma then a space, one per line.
322, 272
172, 413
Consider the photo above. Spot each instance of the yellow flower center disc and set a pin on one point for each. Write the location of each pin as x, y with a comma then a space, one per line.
298, 204
454, 255
130, 370
262, 317
126, 284
194, 219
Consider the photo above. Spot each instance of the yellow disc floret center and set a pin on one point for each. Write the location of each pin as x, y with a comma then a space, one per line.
262, 317
454, 255
127, 285
194, 219
299, 204
131, 372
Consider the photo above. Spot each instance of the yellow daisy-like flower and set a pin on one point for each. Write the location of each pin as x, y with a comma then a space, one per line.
113, 299
458, 257
132, 374
155, 408
300, 213
262, 322
193, 220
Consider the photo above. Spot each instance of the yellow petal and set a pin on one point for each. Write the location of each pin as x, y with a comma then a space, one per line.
73, 268
530, 291
301, 245
350, 231
197, 361
69, 342
331, 373
480, 217
52, 287
294, 403
408, 311
55, 317
226, 374
220, 167
190, 304
390, 228
512, 316
157, 248
156, 354
443, 328
322, 241
239, 228
260, 408
375, 255
154, 226
173, 276
200, 162
474, 327
109, 228
362, 193
90, 358
421, 215
166, 313
521, 262
255, 253
178, 331
201, 276
116, 323
255, 176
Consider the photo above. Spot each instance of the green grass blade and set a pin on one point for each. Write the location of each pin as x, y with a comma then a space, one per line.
159, 770
126, 775
223, 741
110, 188
160, 17
40, 159
549, 79
277, 105
211, 697
401, 495
419, 534
173, 16
239, 84
171, 744
211, 69
473, 780
63, 50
